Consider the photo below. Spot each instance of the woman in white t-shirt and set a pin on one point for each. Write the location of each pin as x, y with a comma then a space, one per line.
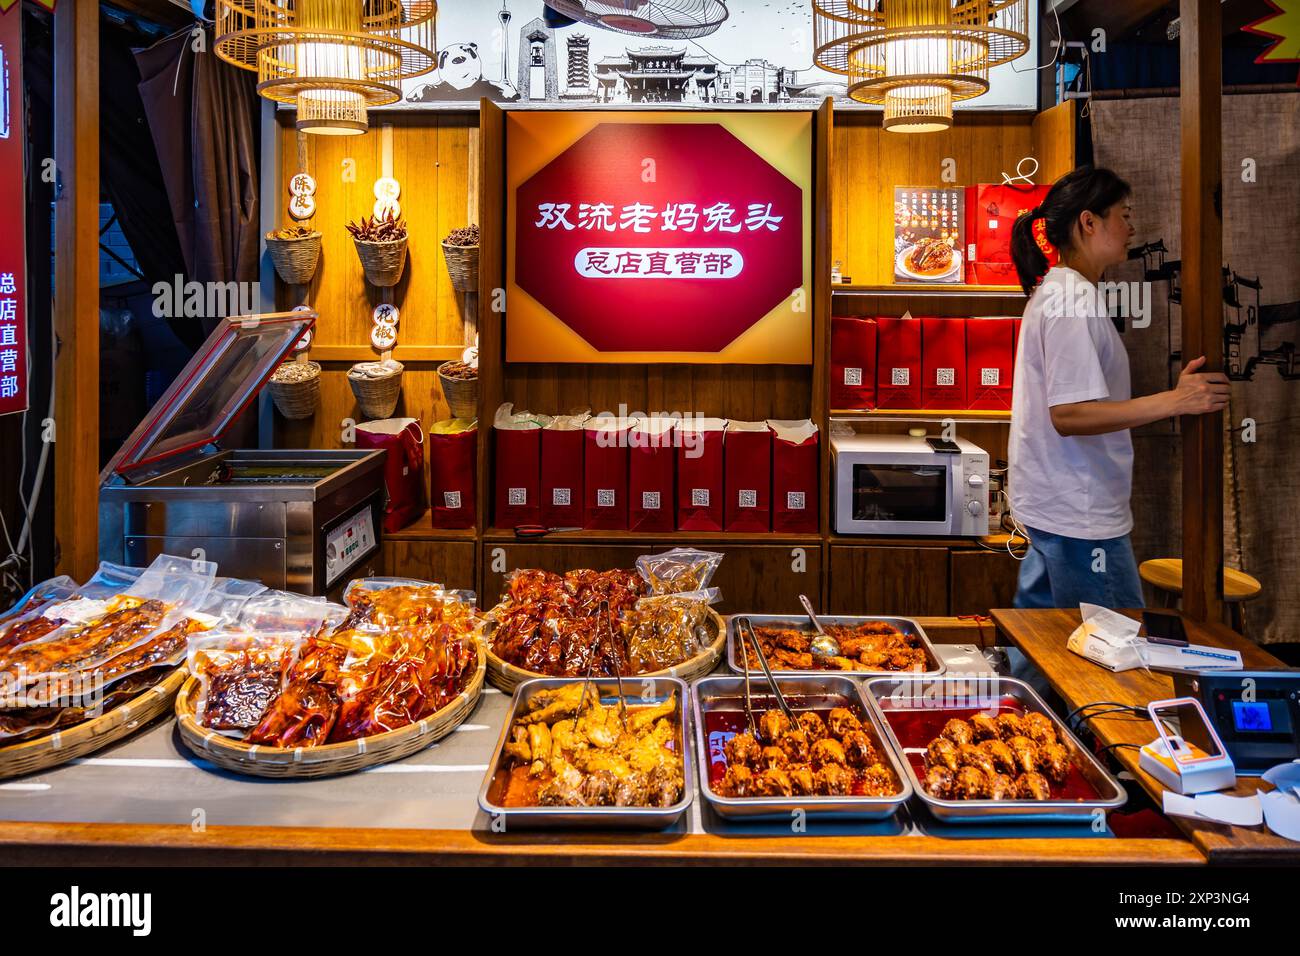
1070, 454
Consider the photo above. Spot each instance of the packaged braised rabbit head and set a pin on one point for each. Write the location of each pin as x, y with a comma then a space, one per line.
664, 630
679, 570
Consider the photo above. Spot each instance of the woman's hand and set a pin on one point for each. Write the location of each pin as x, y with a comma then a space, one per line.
1200, 393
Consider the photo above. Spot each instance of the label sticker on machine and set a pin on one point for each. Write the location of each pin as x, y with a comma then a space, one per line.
347, 544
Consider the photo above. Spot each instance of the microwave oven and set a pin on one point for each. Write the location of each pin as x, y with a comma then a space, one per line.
899, 485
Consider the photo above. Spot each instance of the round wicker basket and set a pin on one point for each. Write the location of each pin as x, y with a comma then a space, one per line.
383, 262
327, 760
461, 394
462, 266
297, 399
378, 396
295, 259
61, 746
506, 677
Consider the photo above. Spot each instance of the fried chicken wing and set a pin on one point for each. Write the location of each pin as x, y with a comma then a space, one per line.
942, 752
1009, 725
969, 755
971, 783
1054, 762
958, 731
1001, 787
1039, 729
1025, 752
939, 781
1004, 761
1033, 786
878, 781
985, 727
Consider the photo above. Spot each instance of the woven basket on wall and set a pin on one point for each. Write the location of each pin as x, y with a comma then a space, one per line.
462, 266
61, 746
383, 262
295, 259
378, 396
461, 394
296, 400
327, 759
506, 676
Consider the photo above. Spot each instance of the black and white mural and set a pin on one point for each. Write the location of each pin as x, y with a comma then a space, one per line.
521, 52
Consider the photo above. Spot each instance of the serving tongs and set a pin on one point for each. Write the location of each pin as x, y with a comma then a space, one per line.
822, 645
745, 628
618, 671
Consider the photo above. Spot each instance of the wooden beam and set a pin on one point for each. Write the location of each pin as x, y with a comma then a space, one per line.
491, 279
76, 286
1201, 63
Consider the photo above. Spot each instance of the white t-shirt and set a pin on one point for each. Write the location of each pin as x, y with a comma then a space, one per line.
1069, 351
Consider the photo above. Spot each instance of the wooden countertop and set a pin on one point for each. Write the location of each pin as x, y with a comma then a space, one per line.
1041, 636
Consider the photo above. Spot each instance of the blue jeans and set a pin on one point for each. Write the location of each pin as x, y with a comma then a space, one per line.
1064, 572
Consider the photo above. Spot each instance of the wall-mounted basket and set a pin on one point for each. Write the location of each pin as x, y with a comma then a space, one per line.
295, 260
299, 398
377, 391
462, 266
383, 262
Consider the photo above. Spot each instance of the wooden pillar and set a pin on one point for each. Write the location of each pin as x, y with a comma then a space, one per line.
76, 286
491, 280
1201, 63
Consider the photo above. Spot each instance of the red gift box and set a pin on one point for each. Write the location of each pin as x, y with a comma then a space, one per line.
989, 363
604, 473
991, 211
748, 477
943, 363
518, 468
795, 460
853, 363
561, 484
898, 363
699, 474
453, 462
651, 466
403, 440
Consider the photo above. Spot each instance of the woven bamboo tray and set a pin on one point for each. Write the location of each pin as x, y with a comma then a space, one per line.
296, 400
61, 746
295, 259
327, 760
507, 677
461, 394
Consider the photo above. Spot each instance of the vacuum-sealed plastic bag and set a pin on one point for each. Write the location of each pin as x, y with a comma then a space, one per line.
663, 630
678, 570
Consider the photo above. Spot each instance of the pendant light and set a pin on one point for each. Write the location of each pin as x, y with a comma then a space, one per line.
332, 59
917, 57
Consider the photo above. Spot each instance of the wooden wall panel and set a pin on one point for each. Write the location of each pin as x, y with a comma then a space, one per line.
450, 563
980, 581
881, 580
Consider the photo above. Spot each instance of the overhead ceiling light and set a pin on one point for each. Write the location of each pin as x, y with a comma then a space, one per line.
917, 57
332, 59
665, 19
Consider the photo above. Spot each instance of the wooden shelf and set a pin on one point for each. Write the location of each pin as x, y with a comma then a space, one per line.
995, 541
422, 529
988, 415
658, 537
929, 290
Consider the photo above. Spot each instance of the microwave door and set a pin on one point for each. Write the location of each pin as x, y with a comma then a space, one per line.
901, 497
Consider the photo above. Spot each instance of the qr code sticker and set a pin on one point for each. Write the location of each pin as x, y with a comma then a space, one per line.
945, 376
794, 500
699, 497
561, 496
604, 497
451, 499
900, 376
990, 376
748, 498
853, 376
518, 496
650, 500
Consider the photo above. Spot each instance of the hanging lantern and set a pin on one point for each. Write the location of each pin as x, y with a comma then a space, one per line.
332, 59
917, 57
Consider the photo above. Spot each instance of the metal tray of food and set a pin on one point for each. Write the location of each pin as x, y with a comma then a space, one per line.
641, 693
912, 711
717, 712
934, 667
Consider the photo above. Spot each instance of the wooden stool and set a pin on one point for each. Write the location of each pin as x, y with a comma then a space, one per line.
1166, 576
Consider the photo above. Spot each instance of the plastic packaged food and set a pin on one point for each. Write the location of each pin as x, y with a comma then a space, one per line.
678, 570
665, 629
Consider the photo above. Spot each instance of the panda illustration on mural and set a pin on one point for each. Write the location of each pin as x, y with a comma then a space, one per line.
460, 78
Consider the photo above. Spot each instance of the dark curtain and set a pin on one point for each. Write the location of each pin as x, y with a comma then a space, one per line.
204, 117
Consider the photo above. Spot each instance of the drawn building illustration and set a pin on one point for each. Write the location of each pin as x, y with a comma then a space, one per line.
538, 71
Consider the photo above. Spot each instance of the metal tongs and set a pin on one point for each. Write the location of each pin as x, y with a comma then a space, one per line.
618, 671
745, 628
822, 645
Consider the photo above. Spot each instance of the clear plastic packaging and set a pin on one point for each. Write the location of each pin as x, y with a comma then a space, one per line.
663, 630
679, 570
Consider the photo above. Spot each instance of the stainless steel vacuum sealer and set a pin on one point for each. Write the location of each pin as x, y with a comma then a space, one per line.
302, 520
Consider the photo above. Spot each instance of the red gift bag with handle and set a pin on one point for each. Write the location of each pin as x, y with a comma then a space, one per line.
453, 464
403, 440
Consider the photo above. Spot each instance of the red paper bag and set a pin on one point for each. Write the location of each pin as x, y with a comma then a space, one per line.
943, 363
853, 363
898, 363
991, 211
748, 477
453, 464
403, 440
604, 467
561, 487
518, 467
651, 461
988, 363
795, 461
1015, 343
699, 474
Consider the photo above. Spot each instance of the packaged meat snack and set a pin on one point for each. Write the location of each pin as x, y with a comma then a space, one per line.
898, 362
518, 466
748, 476
989, 353
605, 472
943, 363
678, 570
562, 471
796, 465
652, 460
991, 211
403, 440
853, 362
453, 465
699, 474
34, 601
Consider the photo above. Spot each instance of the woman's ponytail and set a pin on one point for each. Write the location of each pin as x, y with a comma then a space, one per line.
1052, 224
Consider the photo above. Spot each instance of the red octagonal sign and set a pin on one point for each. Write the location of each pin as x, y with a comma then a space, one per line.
659, 237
